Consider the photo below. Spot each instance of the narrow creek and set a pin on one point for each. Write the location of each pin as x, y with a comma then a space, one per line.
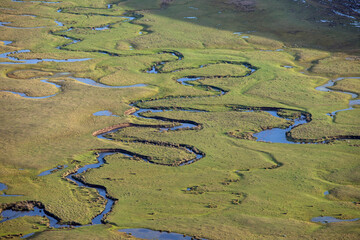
85, 81
100, 189
24, 95
151, 234
279, 135
353, 101
15, 60
328, 219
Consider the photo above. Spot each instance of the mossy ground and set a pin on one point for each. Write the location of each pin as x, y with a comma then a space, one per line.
241, 189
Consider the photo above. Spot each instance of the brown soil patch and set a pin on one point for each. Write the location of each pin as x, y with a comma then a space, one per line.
107, 129
130, 111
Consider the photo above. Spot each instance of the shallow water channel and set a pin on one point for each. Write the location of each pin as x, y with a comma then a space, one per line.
331, 83
152, 234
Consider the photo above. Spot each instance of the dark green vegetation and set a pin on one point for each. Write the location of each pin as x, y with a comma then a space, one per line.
241, 189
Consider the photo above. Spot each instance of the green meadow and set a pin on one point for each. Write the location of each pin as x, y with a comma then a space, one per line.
241, 188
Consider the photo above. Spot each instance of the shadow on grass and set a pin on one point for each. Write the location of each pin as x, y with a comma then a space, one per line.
294, 23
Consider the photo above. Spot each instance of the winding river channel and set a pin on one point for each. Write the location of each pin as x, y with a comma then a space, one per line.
9, 214
275, 135
353, 101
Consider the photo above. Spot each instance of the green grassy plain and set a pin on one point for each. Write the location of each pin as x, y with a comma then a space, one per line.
241, 189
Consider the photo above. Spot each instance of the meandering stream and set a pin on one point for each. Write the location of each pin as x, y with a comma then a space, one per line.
331, 83
278, 135
15, 60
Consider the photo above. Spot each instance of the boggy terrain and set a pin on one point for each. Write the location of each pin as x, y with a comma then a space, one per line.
179, 116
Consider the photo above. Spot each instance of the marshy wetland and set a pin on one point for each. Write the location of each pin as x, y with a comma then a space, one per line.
179, 119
